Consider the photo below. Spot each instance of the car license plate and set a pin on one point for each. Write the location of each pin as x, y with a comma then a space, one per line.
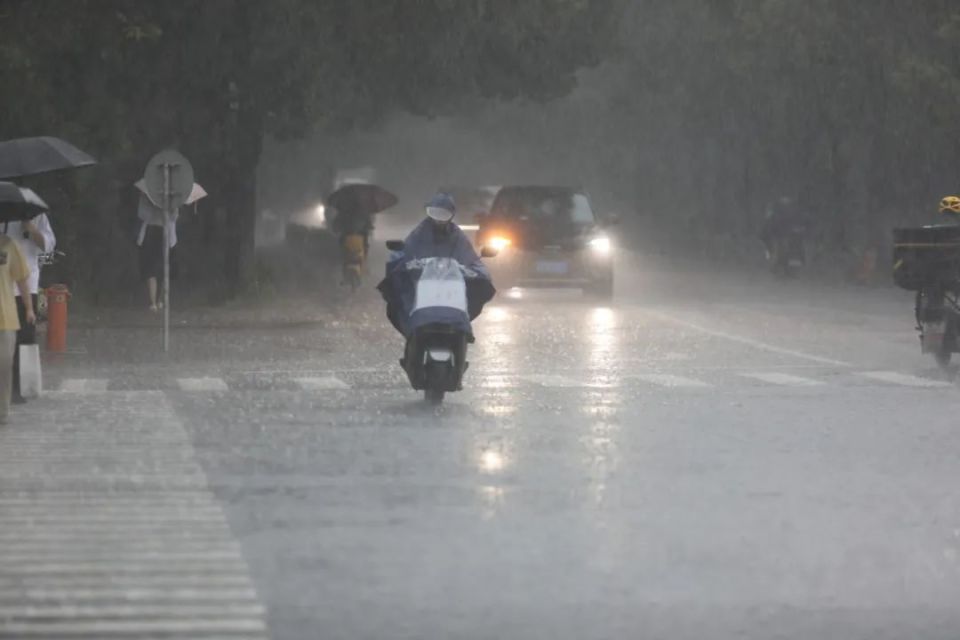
553, 267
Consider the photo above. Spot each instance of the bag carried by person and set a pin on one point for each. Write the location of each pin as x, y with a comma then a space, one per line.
31, 378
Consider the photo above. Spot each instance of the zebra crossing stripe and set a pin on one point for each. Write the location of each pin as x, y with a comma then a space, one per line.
321, 383
497, 380
553, 381
202, 384
84, 385
783, 379
671, 381
134, 610
20, 629
904, 380
80, 594
135, 548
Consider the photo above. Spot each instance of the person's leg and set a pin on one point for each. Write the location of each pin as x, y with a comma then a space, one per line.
22, 337
152, 290
8, 342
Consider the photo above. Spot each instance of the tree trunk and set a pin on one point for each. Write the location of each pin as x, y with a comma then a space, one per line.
240, 198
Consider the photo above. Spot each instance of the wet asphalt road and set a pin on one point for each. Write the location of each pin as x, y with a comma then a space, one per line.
707, 457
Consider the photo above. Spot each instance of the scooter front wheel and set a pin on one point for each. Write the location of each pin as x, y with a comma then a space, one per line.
434, 397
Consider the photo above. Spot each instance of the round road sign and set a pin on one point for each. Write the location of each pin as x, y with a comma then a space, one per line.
181, 178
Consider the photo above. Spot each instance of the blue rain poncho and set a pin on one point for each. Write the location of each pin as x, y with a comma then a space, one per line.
399, 286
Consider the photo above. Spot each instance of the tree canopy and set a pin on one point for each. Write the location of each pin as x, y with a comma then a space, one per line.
709, 110
123, 78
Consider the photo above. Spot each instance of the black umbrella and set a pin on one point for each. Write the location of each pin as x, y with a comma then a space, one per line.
361, 199
19, 203
32, 156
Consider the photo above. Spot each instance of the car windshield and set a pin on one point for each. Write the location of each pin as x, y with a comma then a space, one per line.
471, 200
553, 204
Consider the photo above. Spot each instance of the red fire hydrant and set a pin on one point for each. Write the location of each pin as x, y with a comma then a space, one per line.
57, 296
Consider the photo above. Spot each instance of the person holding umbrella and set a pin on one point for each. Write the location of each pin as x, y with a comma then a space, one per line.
354, 206
23, 220
33, 237
16, 204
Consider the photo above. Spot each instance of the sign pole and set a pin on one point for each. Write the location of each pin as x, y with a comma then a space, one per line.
168, 196
168, 182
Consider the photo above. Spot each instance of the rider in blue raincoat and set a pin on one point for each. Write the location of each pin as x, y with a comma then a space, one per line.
437, 236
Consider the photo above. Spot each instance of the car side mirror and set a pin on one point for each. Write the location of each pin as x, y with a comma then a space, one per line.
489, 252
396, 245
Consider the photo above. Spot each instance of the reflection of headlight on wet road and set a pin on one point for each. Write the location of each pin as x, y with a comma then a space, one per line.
496, 314
601, 245
602, 318
491, 461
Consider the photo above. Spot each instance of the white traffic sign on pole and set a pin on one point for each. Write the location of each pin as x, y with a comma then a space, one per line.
169, 182
181, 179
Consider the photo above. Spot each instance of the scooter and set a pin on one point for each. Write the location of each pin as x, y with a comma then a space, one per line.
927, 261
789, 254
437, 319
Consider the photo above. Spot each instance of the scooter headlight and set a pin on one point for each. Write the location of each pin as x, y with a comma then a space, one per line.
499, 243
601, 245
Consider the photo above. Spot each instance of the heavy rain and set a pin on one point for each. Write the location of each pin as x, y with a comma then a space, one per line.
567, 319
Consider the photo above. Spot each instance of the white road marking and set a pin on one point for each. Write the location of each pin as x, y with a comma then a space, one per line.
756, 344
136, 611
904, 380
183, 628
671, 381
202, 384
151, 580
131, 545
783, 379
83, 385
129, 594
321, 383
553, 381
15, 557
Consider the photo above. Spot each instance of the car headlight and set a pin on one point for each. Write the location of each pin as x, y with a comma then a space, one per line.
321, 212
601, 245
498, 242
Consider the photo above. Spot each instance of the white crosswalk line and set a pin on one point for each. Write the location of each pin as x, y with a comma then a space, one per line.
671, 381
106, 628
135, 611
131, 545
84, 385
904, 380
321, 383
131, 581
553, 381
783, 379
201, 384
143, 565
128, 594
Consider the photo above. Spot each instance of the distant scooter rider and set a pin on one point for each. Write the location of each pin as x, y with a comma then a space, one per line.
950, 207
349, 222
353, 228
783, 218
437, 236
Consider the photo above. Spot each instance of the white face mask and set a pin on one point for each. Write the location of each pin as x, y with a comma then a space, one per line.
439, 214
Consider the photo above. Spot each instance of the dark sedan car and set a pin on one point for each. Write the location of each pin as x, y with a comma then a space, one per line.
548, 237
